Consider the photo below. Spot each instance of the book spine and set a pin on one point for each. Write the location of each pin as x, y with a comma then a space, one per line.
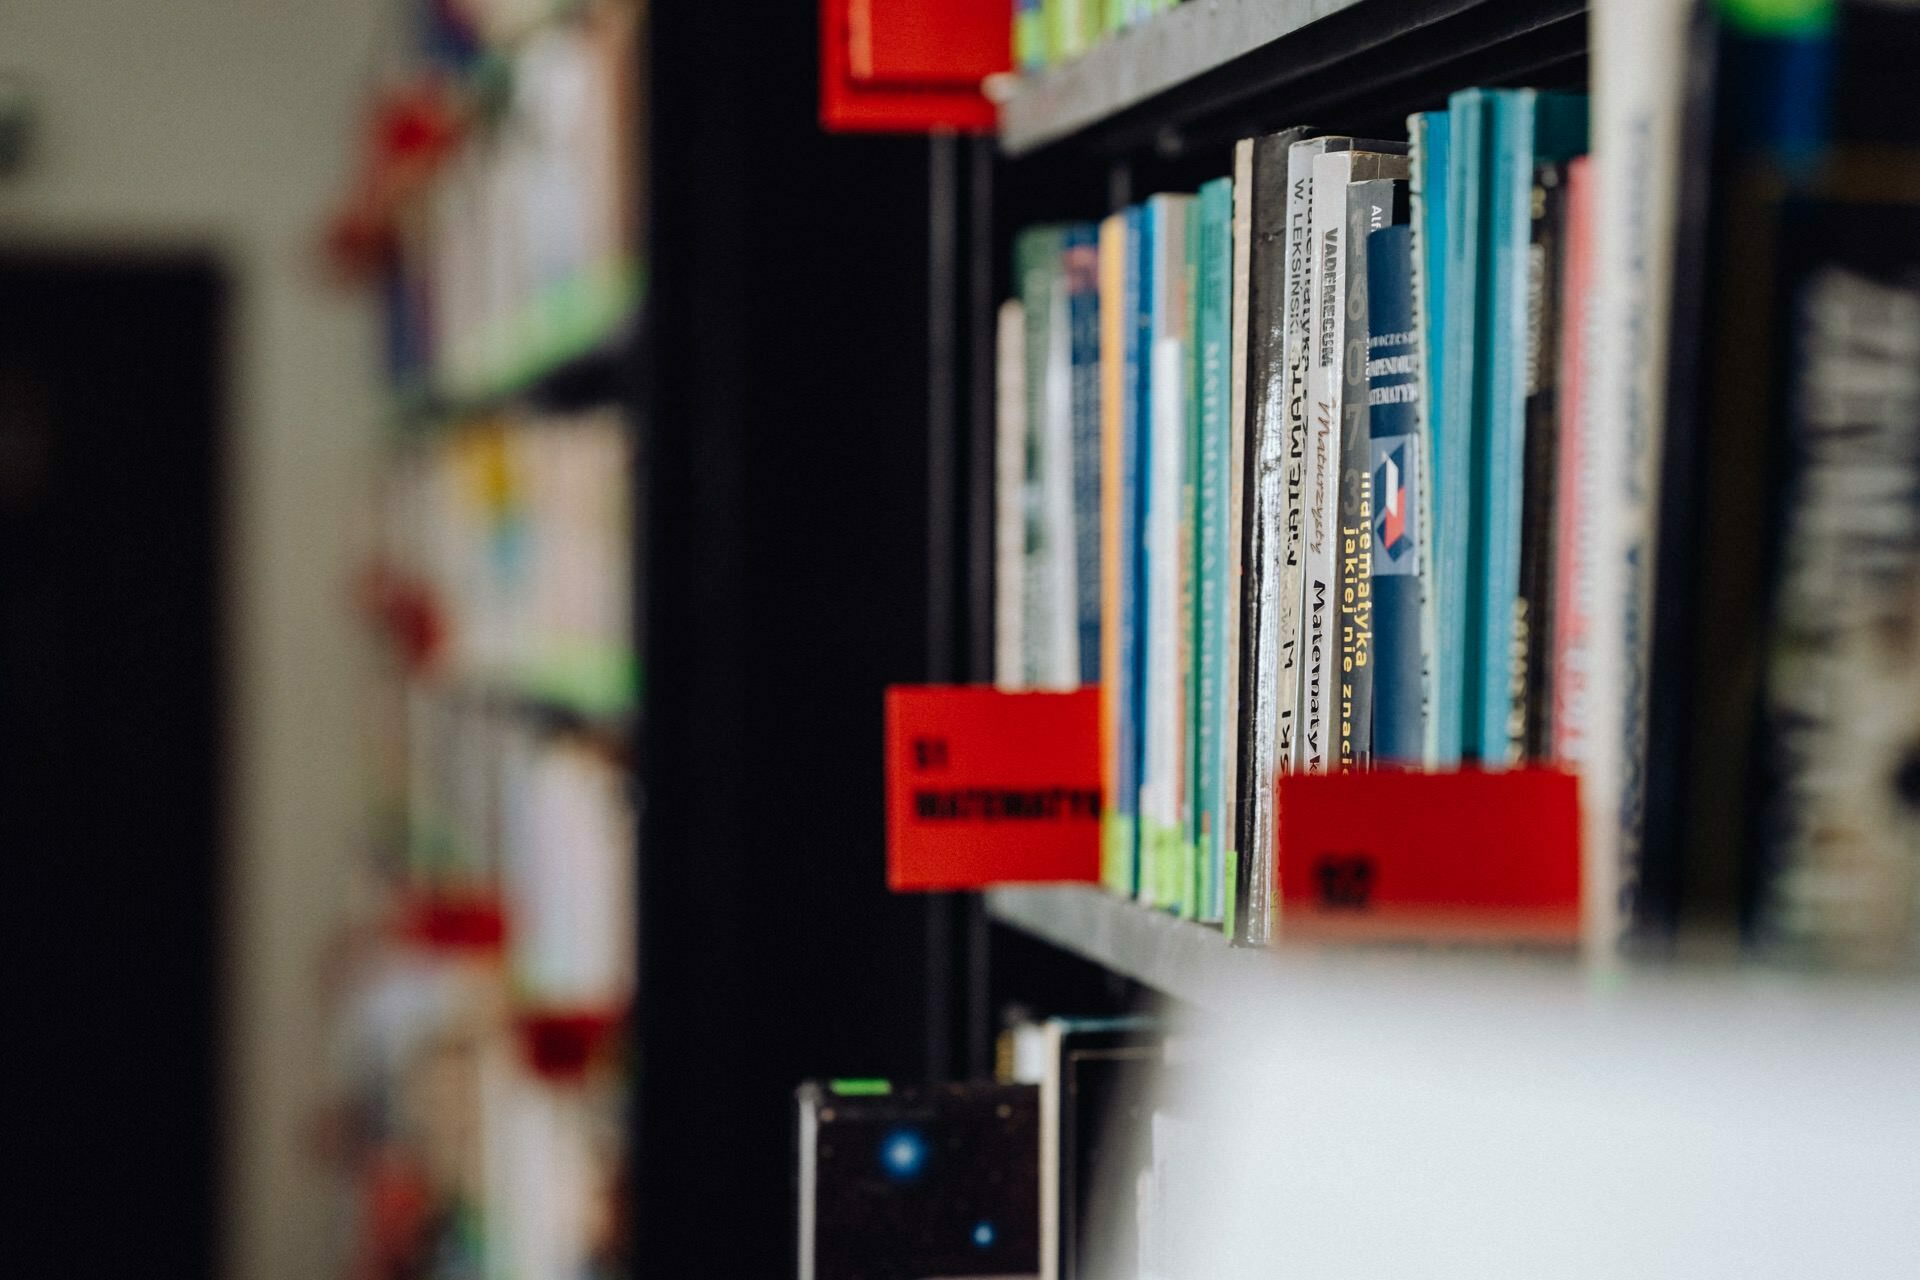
1009, 497
1321, 649
1136, 445
1530, 729
1159, 532
1115, 871
1082, 268
1061, 653
1186, 627
1394, 438
1369, 207
1239, 466
1429, 135
1456, 500
1213, 323
1573, 534
1639, 50
1036, 258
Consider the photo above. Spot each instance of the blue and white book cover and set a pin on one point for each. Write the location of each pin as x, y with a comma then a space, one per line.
1393, 389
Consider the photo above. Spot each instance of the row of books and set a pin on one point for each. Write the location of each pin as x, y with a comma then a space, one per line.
522, 251
513, 533
1049, 32
1468, 450
1285, 458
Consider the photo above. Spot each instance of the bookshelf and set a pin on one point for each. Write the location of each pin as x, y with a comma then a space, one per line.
1179, 958
1209, 65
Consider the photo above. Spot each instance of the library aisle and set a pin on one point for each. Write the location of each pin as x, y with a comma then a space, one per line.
891, 639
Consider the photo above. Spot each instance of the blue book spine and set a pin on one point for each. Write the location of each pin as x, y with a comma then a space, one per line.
1460, 464
1394, 446
1133, 596
1082, 263
1430, 189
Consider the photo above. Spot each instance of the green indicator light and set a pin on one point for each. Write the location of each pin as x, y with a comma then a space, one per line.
861, 1088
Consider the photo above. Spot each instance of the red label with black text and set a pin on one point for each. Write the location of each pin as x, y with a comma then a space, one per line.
986, 787
1463, 857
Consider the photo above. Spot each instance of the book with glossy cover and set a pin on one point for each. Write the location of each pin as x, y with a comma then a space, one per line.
1442, 545
1397, 454
1272, 198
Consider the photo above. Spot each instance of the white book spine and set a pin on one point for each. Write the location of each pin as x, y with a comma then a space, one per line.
1639, 78
1060, 668
1321, 499
1009, 495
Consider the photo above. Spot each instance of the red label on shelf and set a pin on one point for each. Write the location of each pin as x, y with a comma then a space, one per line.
1468, 856
985, 787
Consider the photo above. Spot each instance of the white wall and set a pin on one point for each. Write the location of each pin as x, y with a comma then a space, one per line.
224, 124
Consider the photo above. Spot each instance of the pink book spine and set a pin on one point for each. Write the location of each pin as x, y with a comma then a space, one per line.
1573, 596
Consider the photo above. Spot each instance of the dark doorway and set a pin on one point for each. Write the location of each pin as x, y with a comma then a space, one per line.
110, 760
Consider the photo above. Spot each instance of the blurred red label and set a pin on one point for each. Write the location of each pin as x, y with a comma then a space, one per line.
1468, 856
985, 787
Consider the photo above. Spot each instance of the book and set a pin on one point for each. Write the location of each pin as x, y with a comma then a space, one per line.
1162, 786
1641, 84
1529, 726
1116, 835
1186, 858
1573, 535
1278, 195
1080, 263
1370, 206
924, 1180
1233, 732
1429, 160
1046, 633
1397, 459
1133, 584
1213, 323
1095, 1087
1009, 497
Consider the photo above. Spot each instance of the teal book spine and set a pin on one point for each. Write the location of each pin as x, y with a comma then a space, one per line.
1188, 813
1439, 570
1213, 322
1459, 461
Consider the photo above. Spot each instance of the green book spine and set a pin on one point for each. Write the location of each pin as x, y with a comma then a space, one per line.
1189, 811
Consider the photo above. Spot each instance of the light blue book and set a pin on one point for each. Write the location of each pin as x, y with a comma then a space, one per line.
1528, 128
1443, 535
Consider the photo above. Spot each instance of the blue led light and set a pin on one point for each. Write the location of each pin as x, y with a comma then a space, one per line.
983, 1235
903, 1154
